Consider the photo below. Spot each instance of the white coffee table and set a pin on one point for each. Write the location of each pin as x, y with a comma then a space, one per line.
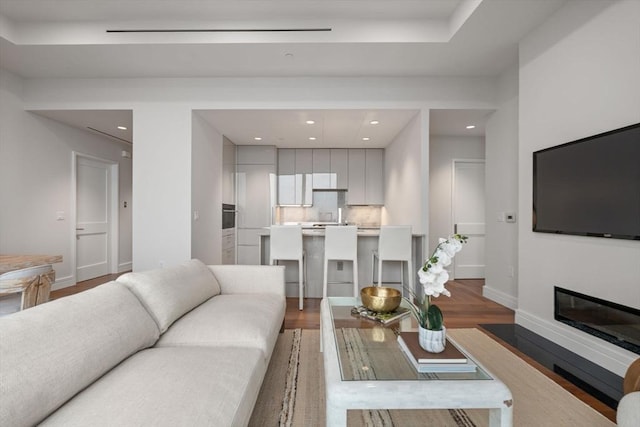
364, 368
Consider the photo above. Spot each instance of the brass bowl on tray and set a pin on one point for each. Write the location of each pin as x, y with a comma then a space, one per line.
380, 299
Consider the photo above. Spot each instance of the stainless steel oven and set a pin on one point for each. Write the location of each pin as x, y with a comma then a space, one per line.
228, 216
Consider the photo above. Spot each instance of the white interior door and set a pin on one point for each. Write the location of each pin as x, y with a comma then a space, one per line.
93, 180
468, 217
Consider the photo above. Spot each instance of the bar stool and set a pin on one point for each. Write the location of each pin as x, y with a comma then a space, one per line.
285, 243
394, 244
341, 244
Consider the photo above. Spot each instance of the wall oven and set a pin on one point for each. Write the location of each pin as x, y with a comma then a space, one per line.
228, 216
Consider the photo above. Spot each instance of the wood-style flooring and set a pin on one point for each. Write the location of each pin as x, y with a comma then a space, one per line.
466, 308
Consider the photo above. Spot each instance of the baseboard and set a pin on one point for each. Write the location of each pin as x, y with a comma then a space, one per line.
500, 297
125, 266
609, 356
63, 282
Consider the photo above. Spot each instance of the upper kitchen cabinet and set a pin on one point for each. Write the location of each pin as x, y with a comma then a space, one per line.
339, 168
366, 176
295, 168
228, 172
330, 168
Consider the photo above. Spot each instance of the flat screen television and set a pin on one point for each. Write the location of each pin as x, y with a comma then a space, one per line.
589, 187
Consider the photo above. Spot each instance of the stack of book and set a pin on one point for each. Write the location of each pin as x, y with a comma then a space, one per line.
450, 360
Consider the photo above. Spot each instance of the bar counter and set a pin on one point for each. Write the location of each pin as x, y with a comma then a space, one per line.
313, 244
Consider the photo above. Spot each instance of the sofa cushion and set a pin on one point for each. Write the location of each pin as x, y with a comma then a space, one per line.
50, 352
168, 293
178, 386
252, 320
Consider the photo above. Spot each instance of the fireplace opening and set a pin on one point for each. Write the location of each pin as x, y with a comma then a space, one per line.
615, 323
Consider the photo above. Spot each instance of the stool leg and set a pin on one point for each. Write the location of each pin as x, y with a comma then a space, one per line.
355, 277
402, 277
324, 280
379, 271
301, 284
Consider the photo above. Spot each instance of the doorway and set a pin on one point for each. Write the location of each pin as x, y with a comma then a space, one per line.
96, 218
468, 217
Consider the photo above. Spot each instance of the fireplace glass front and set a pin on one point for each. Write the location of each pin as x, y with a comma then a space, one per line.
615, 323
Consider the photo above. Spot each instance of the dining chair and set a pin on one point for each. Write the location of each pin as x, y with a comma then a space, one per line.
394, 244
341, 244
285, 244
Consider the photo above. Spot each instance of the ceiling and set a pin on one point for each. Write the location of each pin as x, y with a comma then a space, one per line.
268, 38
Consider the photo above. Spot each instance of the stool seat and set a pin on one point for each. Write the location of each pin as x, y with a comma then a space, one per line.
394, 244
285, 244
341, 244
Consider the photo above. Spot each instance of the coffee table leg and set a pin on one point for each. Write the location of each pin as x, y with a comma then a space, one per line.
500, 417
336, 416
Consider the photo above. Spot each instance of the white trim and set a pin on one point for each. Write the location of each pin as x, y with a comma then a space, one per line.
500, 297
125, 266
63, 282
600, 352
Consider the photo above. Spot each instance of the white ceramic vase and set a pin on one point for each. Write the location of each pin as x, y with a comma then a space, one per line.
432, 341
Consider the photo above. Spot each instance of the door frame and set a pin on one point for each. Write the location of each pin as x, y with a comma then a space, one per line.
453, 198
114, 238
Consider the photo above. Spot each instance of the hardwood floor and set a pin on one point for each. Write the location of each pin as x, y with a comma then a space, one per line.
466, 308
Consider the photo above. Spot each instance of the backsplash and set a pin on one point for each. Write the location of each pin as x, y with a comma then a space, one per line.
363, 216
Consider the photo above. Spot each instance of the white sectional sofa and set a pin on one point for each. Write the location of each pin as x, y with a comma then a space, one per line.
181, 346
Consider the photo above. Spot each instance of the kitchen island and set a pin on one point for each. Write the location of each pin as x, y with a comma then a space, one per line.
340, 273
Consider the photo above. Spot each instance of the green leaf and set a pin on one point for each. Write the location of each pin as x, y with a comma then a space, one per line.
434, 318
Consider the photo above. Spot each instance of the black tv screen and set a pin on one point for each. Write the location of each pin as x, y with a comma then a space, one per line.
589, 187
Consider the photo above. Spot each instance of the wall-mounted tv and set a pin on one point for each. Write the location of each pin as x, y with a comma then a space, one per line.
589, 187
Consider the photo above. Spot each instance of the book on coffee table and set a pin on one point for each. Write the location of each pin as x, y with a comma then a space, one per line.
450, 360
384, 318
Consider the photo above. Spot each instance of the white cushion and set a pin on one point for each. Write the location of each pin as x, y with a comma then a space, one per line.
169, 293
231, 320
628, 414
50, 352
179, 386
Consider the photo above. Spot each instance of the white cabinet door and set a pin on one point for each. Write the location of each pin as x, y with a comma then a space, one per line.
228, 172
286, 176
374, 177
254, 195
322, 169
304, 176
356, 190
256, 154
339, 168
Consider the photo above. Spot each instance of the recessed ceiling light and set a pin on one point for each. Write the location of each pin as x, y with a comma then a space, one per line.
310, 122
471, 127
257, 138
122, 127
374, 122
312, 138
366, 138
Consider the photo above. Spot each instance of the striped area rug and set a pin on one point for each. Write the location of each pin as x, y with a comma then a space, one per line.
293, 391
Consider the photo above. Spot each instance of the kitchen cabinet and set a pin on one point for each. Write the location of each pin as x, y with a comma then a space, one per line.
330, 168
255, 190
295, 176
366, 176
228, 172
228, 246
339, 168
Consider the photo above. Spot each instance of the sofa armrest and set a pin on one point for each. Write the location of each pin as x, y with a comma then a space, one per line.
250, 279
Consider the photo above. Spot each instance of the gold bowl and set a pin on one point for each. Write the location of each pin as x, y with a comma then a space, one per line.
380, 299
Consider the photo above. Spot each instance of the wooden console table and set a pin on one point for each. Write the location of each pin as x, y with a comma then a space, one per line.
35, 289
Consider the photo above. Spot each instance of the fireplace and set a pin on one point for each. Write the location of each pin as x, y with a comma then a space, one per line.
615, 323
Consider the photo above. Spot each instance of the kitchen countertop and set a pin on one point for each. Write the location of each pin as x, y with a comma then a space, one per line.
319, 231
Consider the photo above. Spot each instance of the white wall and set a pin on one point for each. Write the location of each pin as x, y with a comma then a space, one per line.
206, 192
443, 150
161, 185
501, 192
578, 77
36, 182
403, 177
